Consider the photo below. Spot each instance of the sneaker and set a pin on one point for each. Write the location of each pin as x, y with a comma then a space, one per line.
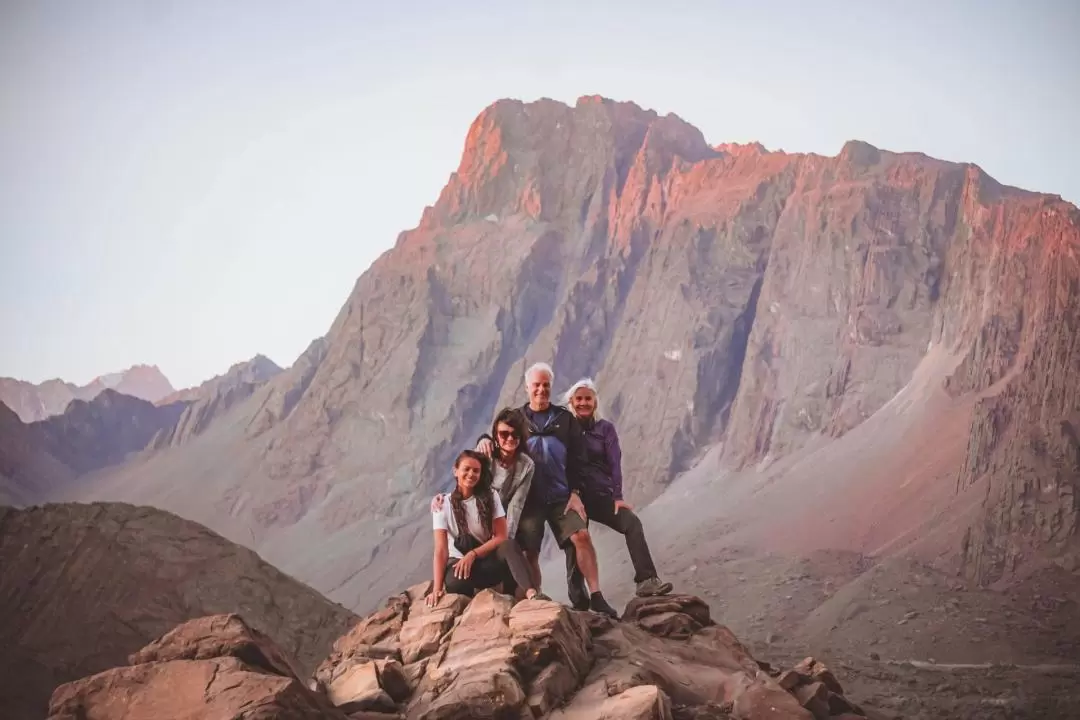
598, 604
652, 587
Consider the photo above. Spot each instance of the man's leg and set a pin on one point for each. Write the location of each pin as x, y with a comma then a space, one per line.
626, 523
571, 531
586, 558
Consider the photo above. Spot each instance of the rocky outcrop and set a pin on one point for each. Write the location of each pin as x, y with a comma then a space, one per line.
758, 303
211, 667
37, 402
85, 586
496, 659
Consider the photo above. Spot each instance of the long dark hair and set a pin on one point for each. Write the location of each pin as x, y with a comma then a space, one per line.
515, 419
485, 501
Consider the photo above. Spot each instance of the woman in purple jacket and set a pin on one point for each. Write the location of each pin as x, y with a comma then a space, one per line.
602, 493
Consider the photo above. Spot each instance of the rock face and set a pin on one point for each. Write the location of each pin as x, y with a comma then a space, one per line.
212, 667
85, 586
730, 301
498, 659
38, 402
214, 398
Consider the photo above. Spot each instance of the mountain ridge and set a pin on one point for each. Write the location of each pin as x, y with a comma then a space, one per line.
33, 402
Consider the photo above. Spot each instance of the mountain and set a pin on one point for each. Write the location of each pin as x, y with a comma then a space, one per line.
255, 371
39, 458
27, 470
214, 398
37, 402
84, 586
873, 353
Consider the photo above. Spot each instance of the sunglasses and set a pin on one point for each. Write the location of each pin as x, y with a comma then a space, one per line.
507, 434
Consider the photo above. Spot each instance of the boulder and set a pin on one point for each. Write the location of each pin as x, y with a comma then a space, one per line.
815, 698
674, 616
218, 636
375, 637
551, 647
708, 670
422, 633
642, 702
367, 686
223, 687
502, 658
695, 607
817, 672
675, 625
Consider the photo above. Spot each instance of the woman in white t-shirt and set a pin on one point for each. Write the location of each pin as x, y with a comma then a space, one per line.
469, 527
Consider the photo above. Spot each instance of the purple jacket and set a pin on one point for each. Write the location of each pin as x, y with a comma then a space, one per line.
602, 472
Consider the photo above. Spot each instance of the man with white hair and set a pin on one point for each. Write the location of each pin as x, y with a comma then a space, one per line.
556, 447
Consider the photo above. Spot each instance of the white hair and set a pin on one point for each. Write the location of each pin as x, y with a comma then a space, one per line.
540, 367
588, 384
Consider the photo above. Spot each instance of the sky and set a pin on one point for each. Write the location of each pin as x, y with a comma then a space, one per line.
189, 183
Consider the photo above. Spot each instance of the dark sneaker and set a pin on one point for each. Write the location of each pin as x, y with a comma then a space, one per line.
653, 587
598, 604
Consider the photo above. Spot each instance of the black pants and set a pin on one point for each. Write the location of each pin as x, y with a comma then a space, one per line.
601, 509
506, 565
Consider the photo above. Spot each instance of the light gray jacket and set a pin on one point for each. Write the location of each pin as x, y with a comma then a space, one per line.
515, 490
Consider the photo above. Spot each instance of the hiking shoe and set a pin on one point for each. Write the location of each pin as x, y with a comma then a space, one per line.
652, 587
598, 604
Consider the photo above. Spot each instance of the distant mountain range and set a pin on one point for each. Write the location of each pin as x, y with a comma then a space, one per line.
36, 402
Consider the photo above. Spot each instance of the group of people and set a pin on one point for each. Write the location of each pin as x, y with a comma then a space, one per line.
544, 464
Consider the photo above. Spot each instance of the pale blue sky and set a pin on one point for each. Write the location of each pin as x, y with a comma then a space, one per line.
190, 183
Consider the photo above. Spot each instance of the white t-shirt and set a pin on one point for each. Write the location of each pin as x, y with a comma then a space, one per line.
444, 520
